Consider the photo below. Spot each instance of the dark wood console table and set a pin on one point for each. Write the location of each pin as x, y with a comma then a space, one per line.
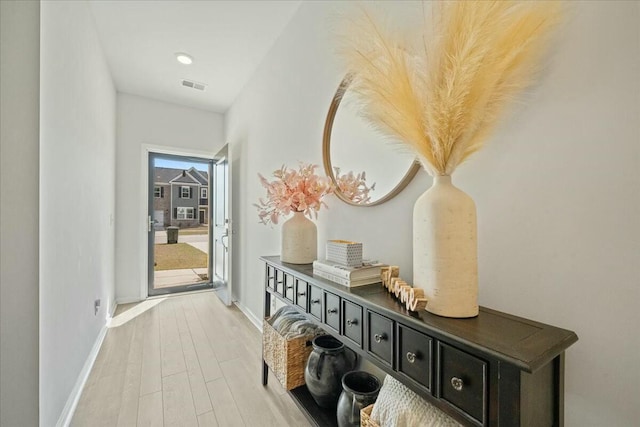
492, 370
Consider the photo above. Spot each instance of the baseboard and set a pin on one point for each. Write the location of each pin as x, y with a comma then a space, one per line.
128, 300
72, 402
112, 311
257, 322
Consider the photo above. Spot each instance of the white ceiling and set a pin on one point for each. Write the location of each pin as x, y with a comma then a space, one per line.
227, 40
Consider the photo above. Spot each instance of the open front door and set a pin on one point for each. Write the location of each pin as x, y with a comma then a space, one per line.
179, 245
222, 227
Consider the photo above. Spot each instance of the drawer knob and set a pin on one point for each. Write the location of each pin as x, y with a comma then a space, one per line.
301, 294
332, 310
315, 301
411, 357
352, 322
379, 337
289, 287
457, 383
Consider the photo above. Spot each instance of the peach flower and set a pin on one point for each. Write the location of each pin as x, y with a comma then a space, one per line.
293, 191
354, 187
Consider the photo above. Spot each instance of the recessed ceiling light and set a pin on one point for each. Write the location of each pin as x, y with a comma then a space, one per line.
184, 58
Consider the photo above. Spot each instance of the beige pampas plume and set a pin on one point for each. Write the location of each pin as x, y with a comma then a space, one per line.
444, 95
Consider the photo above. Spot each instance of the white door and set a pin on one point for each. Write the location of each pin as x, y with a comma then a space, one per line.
222, 228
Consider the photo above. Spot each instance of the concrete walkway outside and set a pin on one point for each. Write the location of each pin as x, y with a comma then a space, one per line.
187, 276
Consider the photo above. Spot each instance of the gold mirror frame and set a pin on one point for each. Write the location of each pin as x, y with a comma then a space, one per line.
326, 154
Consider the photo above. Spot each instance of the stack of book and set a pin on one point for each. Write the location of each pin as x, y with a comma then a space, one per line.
366, 274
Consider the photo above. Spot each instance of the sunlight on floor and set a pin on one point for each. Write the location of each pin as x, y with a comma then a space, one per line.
133, 312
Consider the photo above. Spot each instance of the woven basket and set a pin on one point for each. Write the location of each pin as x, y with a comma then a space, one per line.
365, 417
286, 358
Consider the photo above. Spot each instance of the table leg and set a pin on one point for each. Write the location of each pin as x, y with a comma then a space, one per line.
267, 313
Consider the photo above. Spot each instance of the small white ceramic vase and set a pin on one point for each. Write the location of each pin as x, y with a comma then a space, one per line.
299, 240
445, 260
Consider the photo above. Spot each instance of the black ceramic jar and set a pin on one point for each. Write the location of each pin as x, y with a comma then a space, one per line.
360, 389
328, 362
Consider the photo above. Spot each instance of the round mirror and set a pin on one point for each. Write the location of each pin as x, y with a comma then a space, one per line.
365, 167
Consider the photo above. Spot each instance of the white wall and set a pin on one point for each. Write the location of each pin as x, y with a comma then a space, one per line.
77, 198
19, 143
145, 123
557, 192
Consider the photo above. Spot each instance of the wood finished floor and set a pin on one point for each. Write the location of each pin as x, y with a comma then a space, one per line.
186, 361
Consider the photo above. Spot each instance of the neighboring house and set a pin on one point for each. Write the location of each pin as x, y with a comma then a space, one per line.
180, 197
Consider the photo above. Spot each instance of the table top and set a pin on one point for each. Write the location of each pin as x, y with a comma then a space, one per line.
524, 343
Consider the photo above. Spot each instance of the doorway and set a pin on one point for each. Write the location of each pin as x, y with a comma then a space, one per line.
179, 225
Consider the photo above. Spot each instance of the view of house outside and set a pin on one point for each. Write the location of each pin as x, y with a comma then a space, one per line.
180, 204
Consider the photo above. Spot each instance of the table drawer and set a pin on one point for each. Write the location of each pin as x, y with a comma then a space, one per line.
462, 381
301, 294
332, 311
289, 288
271, 277
352, 322
315, 302
380, 339
279, 281
415, 355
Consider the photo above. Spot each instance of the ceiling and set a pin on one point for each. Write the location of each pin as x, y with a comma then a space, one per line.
227, 40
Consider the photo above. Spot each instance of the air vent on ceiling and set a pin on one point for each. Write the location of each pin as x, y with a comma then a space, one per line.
194, 85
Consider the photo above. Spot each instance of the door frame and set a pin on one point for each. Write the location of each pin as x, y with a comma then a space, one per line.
143, 236
203, 285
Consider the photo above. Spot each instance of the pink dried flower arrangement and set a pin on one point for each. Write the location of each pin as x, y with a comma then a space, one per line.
293, 191
354, 187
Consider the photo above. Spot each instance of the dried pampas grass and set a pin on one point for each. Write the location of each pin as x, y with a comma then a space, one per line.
444, 96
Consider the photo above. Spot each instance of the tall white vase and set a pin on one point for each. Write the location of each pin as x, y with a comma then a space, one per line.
445, 260
299, 240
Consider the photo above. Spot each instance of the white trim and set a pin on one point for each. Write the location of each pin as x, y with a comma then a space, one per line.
112, 310
204, 188
186, 218
182, 188
185, 184
225, 154
201, 176
74, 397
143, 235
232, 231
128, 300
256, 321
193, 177
188, 172
172, 182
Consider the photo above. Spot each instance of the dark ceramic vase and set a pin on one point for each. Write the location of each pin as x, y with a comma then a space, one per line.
327, 363
360, 389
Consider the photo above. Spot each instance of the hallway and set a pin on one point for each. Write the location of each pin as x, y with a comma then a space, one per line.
182, 361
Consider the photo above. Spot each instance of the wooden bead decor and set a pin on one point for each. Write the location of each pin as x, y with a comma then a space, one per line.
413, 298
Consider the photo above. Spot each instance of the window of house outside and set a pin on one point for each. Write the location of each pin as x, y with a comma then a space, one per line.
203, 192
185, 213
157, 192
185, 193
